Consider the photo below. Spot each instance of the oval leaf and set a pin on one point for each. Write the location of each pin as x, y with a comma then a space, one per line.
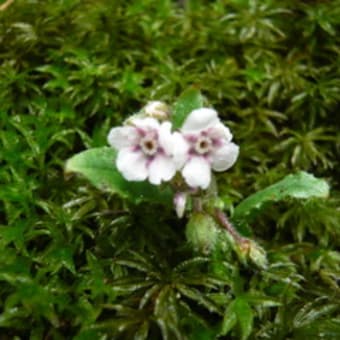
301, 185
98, 166
188, 101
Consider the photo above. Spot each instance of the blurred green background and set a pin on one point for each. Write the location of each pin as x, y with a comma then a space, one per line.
79, 263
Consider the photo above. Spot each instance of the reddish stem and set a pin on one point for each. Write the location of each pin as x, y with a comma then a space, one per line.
224, 222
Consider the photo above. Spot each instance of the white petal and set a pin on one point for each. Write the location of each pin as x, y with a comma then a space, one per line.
180, 201
180, 150
166, 138
225, 157
146, 123
132, 164
121, 137
220, 131
197, 172
174, 144
162, 168
200, 119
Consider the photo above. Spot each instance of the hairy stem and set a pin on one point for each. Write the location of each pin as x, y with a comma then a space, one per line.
6, 4
197, 204
222, 219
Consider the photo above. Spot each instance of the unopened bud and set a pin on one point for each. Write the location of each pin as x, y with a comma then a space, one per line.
258, 255
202, 232
180, 201
157, 109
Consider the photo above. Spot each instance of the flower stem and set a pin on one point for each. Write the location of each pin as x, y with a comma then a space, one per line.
6, 4
224, 222
197, 204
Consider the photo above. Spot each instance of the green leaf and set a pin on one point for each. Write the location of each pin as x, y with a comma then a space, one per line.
98, 166
188, 101
244, 316
60, 257
301, 185
142, 332
238, 312
196, 295
229, 320
201, 331
89, 334
14, 233
15, 271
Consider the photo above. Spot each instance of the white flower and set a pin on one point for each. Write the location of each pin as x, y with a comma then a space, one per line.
208, 145
144, 150
157, 109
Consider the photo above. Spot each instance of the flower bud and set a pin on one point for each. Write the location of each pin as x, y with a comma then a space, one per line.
180, 201
157, 109
258, 255
251, 250
202, 232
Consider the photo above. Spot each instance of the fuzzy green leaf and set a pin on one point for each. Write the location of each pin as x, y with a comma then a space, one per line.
188, 101
98, 166
301, 185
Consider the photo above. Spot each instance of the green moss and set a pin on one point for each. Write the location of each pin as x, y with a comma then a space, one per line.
76, 262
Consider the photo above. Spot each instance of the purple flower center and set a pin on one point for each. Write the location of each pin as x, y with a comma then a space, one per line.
149, 144
203, 145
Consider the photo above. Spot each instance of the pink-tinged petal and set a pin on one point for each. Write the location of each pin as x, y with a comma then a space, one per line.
224, 157
180, 150
220, 131
132, 165
180, 201
197, 173
200, 119
166, 138
121, 137
162, 168
146, 123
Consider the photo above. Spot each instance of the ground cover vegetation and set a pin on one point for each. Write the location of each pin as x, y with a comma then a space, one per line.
80, 263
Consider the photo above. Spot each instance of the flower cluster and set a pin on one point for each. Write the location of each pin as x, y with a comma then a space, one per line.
148, 149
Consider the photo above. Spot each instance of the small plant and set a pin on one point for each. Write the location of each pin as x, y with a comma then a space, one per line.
171, 155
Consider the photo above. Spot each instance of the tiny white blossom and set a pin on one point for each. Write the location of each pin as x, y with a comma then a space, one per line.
144, 150
208, 146
157, 109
